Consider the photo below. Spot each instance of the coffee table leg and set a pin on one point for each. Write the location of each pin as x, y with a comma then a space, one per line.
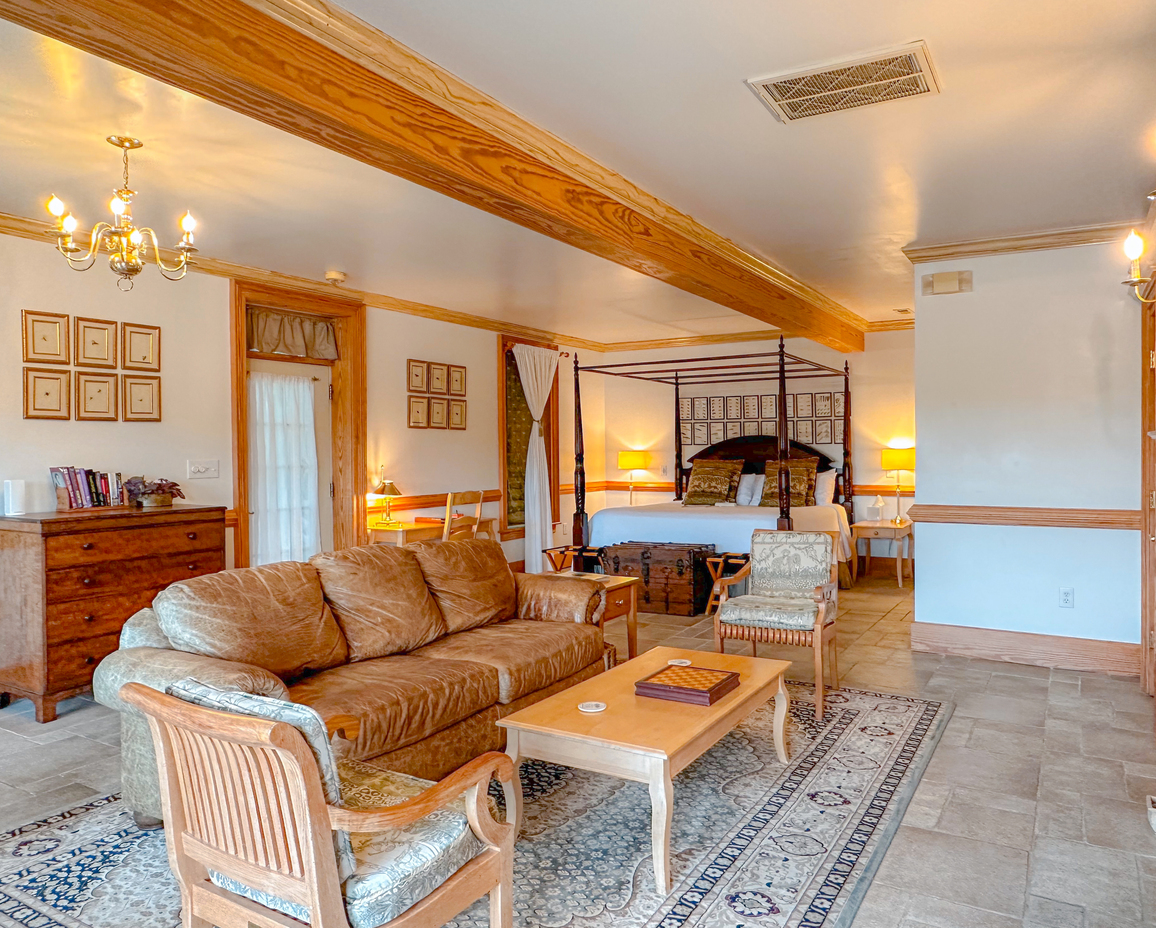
782, 703
513, 791
632, 623
661, 811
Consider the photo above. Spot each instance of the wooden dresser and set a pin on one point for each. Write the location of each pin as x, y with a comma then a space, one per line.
70, 580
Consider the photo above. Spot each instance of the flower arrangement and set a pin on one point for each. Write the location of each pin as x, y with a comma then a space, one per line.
150, 493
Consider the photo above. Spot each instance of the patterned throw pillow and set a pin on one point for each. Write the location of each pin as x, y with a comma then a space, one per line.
713, 482
802, 482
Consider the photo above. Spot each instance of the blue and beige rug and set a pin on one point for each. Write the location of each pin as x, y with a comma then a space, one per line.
755, 844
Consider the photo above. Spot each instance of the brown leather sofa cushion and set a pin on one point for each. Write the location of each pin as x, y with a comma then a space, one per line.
527, 655
470, 580
399, 699
379, 597
273, 616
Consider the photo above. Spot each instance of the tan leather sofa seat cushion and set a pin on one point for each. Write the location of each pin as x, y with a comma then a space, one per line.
273, 616
399, 699
470, 580
527, 655
380, 600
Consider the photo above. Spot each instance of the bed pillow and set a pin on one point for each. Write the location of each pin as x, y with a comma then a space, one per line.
825, 488
713, 482
749, 490
802, 482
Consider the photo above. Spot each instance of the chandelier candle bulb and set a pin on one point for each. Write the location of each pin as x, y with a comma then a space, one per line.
56, 206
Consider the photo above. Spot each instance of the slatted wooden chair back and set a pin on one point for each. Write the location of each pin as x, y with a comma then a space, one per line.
242, 797
467, 526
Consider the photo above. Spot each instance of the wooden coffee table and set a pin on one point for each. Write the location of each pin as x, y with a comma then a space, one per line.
643, 739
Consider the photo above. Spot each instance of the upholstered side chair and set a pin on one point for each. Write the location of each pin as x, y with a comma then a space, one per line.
792, 599
265, 831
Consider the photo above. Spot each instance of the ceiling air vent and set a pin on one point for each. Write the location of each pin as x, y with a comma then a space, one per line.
845, 85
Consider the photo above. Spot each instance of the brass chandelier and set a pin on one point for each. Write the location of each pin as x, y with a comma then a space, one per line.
127, 245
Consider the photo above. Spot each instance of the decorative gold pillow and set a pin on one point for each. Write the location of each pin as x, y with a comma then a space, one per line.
713, 482
802, 482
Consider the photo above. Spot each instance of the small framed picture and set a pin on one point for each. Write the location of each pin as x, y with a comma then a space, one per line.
418, 413
96, 396
792, 430
700, 407
823, 432
734, 429
750, 426
717, 407
734, 407
417, 378
750, 407
457, 412
45, 337
837, 432
823, 406
769, 406
804, 406
769, 427
790, 405
140, 347
805, 431
140, 398
717, 432
700, 434
95, 343
439, 382
47, 393
684, 407
686, 432
439, 411
457, 381
839, 404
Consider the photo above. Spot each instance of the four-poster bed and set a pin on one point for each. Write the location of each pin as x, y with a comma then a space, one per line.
726, 527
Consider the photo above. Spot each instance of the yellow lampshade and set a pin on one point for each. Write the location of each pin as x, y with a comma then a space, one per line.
633, 460
898, 459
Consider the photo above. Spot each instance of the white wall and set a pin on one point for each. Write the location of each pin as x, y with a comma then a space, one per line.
194, 318
1028, 394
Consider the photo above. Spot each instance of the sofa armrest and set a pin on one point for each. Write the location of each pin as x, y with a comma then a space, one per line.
558, 598
142, 630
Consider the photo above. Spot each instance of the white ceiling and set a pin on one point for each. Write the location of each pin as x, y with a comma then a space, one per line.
1047, 120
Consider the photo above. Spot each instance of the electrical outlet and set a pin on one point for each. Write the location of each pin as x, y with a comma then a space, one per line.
204, 470
1067, 597
664, 470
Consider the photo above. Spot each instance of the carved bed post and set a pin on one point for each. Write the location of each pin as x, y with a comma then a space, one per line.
784, 441
677, 443
848, 471
578, 533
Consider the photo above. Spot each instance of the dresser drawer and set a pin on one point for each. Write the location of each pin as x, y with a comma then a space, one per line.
617, 602
145, 574
92, 616
72, 664
122, 544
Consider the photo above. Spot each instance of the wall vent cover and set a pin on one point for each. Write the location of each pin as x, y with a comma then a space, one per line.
845, 85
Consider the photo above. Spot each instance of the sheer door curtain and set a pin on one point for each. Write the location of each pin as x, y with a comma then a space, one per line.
536, 368
284, 511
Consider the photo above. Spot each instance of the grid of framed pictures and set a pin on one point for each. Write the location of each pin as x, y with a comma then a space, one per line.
813, 418
440, 402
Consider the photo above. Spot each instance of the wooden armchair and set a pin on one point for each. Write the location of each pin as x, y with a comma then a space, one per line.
245, 808
467, 526
792, 599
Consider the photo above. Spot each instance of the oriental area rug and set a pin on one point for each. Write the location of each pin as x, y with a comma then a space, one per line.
754, 844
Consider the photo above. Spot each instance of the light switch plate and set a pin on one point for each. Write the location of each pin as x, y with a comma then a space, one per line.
204, 470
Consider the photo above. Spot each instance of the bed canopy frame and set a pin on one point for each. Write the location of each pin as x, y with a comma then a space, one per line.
682, 373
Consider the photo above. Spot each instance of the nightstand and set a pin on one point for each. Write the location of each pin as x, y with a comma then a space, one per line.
621, 599
884, 529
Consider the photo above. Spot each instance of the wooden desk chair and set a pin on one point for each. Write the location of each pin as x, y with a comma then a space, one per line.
467, 526
244, 800
793, 598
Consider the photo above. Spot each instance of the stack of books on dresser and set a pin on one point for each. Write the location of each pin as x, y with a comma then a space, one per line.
80, 488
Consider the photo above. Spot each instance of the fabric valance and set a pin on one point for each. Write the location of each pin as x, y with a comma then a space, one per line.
274, 331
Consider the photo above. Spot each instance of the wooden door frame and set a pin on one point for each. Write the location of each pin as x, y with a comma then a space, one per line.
1148, 493
350, 478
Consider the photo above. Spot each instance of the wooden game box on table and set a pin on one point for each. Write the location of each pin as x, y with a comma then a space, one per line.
675, 579
699, 686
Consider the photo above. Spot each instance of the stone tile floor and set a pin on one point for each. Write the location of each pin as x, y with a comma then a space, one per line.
1030, 814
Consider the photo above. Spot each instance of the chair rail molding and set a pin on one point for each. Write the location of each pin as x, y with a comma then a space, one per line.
1031, 516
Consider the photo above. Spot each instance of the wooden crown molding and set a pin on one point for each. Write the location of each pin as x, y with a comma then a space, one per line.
326, 77
1013, 515
892, 325
1010, 244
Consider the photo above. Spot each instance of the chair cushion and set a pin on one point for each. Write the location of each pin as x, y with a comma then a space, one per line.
273, 616
527, 655
712, 482
769, 612
789, 562
470, 580
399, 699
380, 600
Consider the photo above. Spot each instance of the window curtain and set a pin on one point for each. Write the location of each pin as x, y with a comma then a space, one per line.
536, 367
271, 331
285, 522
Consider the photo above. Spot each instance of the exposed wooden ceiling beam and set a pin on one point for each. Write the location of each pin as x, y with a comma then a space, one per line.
242, 58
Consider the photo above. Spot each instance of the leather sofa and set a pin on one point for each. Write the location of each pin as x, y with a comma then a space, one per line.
426, 646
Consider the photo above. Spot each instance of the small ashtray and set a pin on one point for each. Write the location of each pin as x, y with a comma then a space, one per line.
591, 707
678, 662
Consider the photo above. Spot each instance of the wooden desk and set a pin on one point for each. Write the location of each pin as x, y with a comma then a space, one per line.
885, 529
621, 599
644, 739
403, 533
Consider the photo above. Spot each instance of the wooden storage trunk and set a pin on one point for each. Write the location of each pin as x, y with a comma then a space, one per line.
675, 579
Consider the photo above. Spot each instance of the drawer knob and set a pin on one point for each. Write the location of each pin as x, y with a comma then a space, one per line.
87, 581
87, 546
89, 618
90, 659
190, 535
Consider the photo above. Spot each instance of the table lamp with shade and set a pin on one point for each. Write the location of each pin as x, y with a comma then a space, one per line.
632, 461
388, 491
898, 459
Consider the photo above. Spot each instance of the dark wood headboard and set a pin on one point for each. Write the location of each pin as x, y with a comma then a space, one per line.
756, 451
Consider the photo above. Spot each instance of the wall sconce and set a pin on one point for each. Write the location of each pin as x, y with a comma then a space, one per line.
1133, 249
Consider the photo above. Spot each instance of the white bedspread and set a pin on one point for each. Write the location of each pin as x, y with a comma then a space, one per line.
728, 528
